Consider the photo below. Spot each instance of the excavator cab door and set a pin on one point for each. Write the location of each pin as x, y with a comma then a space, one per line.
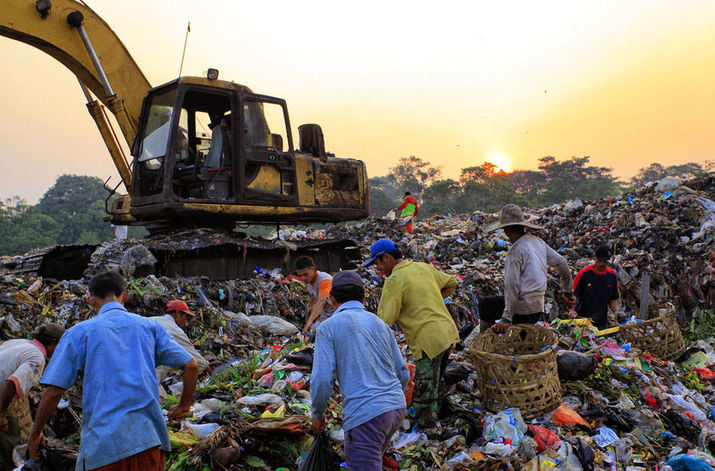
267, 170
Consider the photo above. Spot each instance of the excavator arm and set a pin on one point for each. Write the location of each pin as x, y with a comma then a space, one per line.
76, 36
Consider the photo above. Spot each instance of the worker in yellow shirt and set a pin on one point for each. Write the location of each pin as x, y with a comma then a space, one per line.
413, 295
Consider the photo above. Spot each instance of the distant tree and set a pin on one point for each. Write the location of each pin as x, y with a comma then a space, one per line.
23, 227
77, 203
412, 174
528, 183
574, 178
380, 203
439, 198
656, 171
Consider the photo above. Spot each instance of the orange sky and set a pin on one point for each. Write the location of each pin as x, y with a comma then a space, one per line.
628, 83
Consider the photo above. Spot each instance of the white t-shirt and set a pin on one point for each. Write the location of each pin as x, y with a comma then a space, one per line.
120, 232
22, 362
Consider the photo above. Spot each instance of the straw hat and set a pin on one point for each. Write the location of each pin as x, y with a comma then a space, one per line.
510, 215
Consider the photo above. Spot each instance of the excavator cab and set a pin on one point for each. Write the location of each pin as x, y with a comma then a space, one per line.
209, 151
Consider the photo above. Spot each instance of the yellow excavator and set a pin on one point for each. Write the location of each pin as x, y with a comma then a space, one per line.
204, 152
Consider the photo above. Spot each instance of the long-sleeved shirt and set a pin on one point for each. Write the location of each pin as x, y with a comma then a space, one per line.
360, 350
525, 275
170, 325
21, 362
117, 351
412, 296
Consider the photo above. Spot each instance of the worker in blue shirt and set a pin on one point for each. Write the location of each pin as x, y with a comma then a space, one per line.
117, 351
360, 350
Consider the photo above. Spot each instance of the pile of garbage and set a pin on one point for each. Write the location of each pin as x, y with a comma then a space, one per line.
622, 407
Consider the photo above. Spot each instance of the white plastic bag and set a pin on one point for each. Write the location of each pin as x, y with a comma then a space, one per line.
507, 424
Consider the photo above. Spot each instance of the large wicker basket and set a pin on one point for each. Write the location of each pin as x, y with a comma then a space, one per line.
518, 369
660, 337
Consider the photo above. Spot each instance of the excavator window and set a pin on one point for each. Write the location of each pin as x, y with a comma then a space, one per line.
204, 151
269, 169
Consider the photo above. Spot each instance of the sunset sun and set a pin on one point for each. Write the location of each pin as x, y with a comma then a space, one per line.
501, 161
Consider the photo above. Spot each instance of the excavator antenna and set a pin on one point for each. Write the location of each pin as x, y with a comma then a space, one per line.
183, 54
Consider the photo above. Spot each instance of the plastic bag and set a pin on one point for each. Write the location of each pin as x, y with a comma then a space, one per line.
574, 366
410, 384
507, 426
320, 457
564, 415
684, 462
544, 438
605, 437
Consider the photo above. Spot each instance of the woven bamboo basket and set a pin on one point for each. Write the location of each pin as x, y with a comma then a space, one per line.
660, 337
518, 369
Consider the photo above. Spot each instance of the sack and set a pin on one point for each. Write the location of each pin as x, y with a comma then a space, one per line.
405, 220
320, 457
575, 365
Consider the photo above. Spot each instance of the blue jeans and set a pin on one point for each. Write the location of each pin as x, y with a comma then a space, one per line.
365, 444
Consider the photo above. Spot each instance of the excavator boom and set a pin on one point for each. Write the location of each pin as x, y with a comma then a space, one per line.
51, 32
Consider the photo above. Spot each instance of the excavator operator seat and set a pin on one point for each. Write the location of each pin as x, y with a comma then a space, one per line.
311, 140
218, 152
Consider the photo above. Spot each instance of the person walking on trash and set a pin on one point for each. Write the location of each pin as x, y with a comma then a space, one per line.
176, 318
318, 284
409, 209
123, 426
21, 365
596, 288
413, 295
526, 269
361, 352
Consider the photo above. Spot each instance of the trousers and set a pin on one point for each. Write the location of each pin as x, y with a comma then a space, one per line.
366, 443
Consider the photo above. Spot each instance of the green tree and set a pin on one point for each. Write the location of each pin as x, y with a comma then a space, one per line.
23, 227
441, 197
77, 203
412, 174
574, 178
656, 171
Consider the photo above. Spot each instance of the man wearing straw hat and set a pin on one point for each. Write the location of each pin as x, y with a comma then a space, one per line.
526, 269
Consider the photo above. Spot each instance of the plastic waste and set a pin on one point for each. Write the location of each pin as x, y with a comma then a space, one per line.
685, 462
565, 415
605, 437
544, 438
499, 449
682, 404
458, 461
410, 383
199, 430
408, 438
574, 365
507, 426
278, 414
623, 450
274, 325
320, 457
260, 399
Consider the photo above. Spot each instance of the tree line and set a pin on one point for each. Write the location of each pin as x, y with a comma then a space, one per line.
72, 210
487, 188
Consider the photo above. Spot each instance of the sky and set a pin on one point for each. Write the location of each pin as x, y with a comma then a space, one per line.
454, 83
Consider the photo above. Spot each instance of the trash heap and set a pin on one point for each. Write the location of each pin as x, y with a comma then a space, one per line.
622, 407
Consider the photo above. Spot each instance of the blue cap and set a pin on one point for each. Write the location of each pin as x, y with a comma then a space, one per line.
381, 247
